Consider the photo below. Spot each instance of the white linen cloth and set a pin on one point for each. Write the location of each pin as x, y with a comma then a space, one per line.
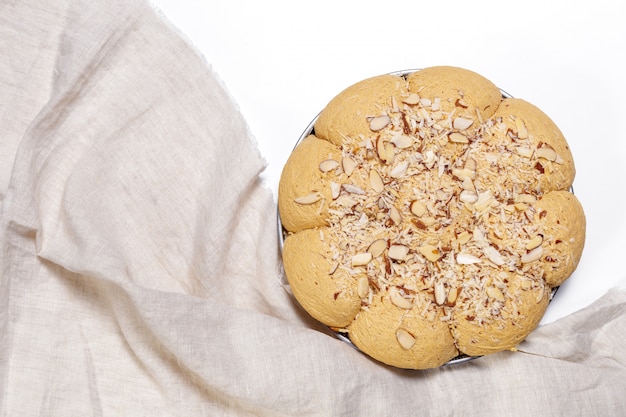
140, 271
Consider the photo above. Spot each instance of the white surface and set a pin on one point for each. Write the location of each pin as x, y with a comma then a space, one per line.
283, 61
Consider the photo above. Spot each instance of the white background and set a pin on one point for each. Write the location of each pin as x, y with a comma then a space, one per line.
283, 61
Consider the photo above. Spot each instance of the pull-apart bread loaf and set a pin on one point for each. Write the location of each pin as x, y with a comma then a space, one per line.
427, 217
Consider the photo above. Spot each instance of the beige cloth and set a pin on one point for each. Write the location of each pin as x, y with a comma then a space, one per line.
138, 250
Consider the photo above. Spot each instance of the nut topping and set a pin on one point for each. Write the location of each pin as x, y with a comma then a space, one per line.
398, 300
417, 208
465, 258
405, 339
348, 164
534, 242
532, 256
309, 198
361, 259
377, 247
461, 123
402, 141
457, 137
398, 252
363, 287
379, 122
328, 165
376, 181
440, 293
430, 252
495, 293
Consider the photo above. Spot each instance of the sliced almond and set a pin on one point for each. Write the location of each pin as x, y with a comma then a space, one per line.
328, 165
402, 141
348, 164
533, 255
398, 252
376, 181
361, 259
395, 215
484, 201
524, 151
493, 255
464, 173
386, 151
398, 300
457, 137
468, 196
377, 247
546, 153
412, 99
468, 185
440, 293
464, 237
363, 287
418, 208
461, 123
465, 258
309, 198
335, 189
430, 252
379, 122
452, 296
399, 170
495, 293
405, 339
534, 242
353, 189
522, 132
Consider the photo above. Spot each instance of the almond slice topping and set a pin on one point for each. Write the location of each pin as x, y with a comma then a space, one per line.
399, 170
379, 122
440, 293
495, 293
328, 165
377, 247
363, 287
398, 300
335, 189
461, 123
412, 99
361, 259
402, 141
532, 256
465, 258
457, 137
348, 164
430, 252
417, 208
405, 339
376, 181
398, 252
309, 198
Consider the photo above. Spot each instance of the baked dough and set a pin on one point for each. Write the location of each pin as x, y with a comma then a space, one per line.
428, 216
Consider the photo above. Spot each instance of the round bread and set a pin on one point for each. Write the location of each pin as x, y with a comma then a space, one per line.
428, 216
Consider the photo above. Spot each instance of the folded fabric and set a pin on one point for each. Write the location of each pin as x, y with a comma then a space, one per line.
140, 269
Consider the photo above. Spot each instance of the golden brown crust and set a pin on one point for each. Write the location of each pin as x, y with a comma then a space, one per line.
428, 215
403, 338
308, 269
458, 89
520, 305
563, 227
346, 116
302, 178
